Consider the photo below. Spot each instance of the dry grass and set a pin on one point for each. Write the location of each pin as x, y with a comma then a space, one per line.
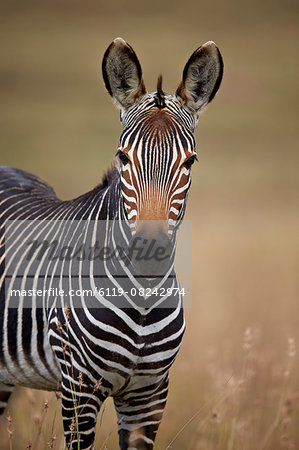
253, 407
230, 389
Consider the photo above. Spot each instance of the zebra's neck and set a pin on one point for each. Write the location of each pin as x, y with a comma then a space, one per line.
95, 216
108, 228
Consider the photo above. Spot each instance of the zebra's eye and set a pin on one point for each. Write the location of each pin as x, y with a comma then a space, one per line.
123, 157
190, 161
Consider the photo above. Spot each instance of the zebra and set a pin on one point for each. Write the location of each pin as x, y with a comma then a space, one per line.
94, 347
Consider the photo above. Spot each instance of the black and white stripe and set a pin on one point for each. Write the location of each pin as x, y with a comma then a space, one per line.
95, 346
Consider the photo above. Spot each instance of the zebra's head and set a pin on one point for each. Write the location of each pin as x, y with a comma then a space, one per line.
157, 147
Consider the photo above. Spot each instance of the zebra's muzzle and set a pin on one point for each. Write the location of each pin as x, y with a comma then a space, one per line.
151, 253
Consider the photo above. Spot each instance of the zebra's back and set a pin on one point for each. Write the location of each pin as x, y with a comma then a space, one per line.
26, 357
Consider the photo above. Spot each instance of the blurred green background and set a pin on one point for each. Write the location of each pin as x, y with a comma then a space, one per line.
58, 122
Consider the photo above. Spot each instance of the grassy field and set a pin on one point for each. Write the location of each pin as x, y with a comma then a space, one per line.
235, 384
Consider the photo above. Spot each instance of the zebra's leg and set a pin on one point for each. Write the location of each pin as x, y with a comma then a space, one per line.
5, 391
139, 414
80, 407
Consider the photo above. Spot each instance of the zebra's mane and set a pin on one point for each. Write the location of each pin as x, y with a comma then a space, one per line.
107, 179
160, 94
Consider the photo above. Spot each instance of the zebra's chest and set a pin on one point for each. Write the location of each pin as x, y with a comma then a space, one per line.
114, 347
146, 351
120, 367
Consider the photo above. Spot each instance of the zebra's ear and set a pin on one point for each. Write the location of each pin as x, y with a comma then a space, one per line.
122, 73
202, 76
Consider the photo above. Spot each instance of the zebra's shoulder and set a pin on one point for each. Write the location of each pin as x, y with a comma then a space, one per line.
11, 178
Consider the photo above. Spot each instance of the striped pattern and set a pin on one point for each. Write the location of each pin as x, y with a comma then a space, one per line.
97, 326
94, 350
